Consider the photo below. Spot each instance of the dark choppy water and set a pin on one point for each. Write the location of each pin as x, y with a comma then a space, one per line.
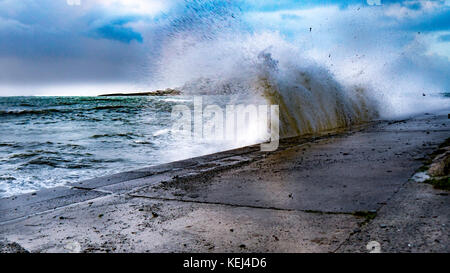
50, 141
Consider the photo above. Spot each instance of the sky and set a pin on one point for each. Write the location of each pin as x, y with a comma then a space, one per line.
88, 47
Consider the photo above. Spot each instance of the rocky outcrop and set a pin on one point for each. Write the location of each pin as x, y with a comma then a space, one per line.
166, 92
438, 170
440, 165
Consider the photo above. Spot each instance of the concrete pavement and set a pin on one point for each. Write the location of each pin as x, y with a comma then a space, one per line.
328, 193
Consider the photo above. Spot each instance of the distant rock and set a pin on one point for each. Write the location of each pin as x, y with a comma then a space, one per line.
167, 92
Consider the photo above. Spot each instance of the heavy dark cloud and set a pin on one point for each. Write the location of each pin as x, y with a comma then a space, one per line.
45, 42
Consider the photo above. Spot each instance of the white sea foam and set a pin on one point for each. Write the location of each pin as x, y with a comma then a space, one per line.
210, 50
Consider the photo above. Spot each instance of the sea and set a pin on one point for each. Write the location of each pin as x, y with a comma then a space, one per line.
52, 141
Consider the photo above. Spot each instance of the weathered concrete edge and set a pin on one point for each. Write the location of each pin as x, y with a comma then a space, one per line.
19, 207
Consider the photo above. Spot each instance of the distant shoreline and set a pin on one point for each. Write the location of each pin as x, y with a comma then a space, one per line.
167, 92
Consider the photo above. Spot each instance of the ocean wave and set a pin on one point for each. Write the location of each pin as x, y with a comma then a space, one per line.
52, 111
309, 97
143, 142
7, 178
52, 161
104, 160
162, 132
109, 107
23, 155
114, 135
33, 112
13, 145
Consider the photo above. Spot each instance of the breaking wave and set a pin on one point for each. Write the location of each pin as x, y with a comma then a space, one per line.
265, 69
209, 47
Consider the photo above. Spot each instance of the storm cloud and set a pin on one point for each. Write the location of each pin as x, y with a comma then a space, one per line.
49, 42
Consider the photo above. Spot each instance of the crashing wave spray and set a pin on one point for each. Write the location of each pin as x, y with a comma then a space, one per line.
208, 51
310, 99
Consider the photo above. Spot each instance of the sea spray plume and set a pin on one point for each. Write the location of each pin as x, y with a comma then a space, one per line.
310, 99
186, 22
264, 66
260, 66
204, 19
385, 47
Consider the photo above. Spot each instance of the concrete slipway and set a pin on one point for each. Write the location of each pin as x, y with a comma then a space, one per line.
329, 193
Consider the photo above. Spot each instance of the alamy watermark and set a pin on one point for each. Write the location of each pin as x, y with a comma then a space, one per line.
234, 123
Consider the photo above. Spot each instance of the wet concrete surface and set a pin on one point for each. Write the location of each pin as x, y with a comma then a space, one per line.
313, 194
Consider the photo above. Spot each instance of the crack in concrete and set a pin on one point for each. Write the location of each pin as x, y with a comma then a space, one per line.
241, 206
93, 189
